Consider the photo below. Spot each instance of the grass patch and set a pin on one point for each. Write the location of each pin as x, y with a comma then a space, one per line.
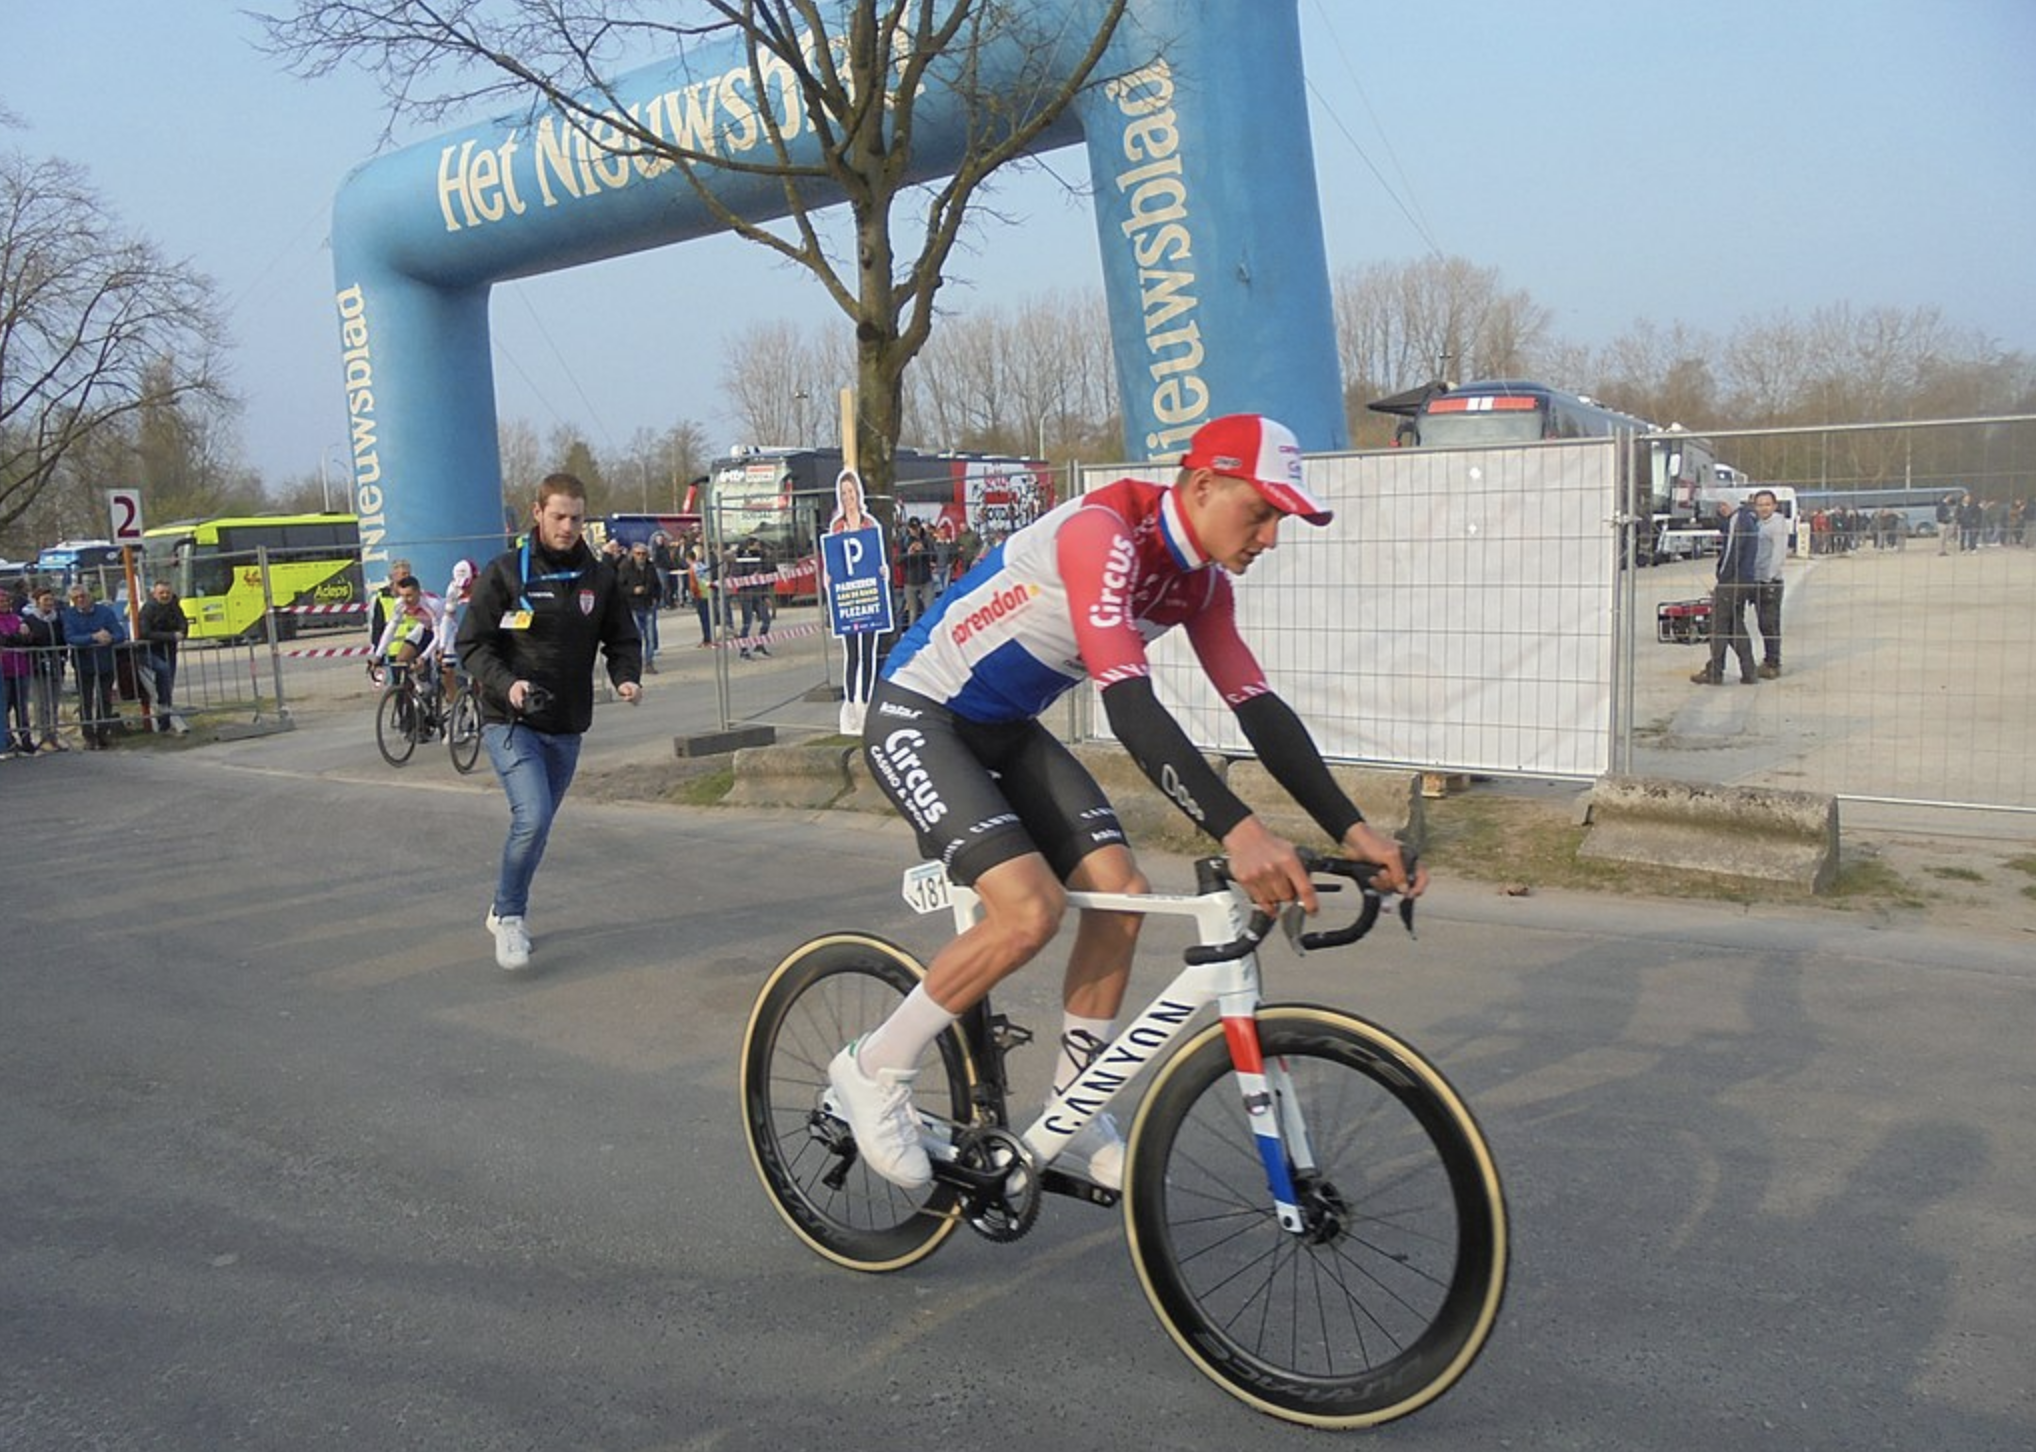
2025, 863
705, 790
1495, 838
1956, 874
1864, 878
2029, 891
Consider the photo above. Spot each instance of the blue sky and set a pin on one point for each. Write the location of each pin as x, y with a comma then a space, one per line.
1699, 164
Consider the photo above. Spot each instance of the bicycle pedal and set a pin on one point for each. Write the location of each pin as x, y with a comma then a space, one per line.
1006, 1035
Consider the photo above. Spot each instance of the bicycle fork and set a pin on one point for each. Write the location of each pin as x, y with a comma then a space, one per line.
1274, 1115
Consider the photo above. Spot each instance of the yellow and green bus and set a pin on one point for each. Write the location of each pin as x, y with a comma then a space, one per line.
215, 565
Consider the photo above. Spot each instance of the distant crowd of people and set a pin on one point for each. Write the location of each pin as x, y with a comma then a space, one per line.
81, 653
1966, 523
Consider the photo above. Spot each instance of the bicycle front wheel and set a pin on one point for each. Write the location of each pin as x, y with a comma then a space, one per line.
395, 724
827, 992
463, 730
1386, 1293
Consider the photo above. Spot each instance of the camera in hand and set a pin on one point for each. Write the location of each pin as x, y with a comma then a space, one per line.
536, 700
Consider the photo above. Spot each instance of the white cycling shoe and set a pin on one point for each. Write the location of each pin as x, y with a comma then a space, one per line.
1096, 1154
879, 1112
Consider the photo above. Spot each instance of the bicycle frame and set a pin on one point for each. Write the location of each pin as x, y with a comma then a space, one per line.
1231, 984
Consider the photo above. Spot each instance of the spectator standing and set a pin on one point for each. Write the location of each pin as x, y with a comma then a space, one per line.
1970, 518
17, 737
700, 585
754, 568
163, 627
915, 569
539, 615
45, 627
92, 629
1947, 522
642, 586
1773, 527
1738, 561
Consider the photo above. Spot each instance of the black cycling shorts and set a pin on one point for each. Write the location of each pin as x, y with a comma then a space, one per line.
982, 793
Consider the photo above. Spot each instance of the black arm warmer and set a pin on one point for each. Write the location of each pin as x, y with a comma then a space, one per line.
1164, 753
1288, 751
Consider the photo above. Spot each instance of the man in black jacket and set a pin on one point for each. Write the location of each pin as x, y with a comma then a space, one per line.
537, 615
163, 626
1738, 586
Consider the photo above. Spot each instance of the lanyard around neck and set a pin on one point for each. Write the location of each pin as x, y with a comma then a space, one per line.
523, 595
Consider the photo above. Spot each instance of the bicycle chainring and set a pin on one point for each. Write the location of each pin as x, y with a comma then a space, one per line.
1008, 1211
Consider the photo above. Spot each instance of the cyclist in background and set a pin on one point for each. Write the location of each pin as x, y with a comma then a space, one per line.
952, 736
452, 610
410, 636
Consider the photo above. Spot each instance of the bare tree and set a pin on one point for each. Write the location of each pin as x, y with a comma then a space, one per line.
1018, 382
96, 327
783, 381
853, 76
1402, 324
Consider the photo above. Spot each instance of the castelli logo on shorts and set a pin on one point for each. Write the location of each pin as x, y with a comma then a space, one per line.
992, 610
907, 776
1108, 610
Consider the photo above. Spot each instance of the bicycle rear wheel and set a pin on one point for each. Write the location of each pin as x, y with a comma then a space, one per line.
1388, 1293
825, 993
463, 730
395, 723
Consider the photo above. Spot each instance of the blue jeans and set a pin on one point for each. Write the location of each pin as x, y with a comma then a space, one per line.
646, 630
535, 768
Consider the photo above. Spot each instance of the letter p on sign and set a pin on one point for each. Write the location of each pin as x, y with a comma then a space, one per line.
124, 505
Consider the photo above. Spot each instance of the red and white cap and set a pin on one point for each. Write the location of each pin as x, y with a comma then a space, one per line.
1252, 446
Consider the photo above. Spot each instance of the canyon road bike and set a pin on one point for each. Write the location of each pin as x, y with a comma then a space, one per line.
1313, 1212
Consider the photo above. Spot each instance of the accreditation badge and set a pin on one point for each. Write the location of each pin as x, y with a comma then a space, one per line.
515, 620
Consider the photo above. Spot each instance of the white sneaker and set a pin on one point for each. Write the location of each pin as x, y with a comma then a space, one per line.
880, 1114
512, 941
1096, 1154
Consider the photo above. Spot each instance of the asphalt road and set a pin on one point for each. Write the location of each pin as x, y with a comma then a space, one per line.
290, 1164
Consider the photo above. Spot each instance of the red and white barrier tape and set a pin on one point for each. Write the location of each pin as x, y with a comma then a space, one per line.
320, 609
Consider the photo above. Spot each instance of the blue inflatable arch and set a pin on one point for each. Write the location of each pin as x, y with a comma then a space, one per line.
1213, 267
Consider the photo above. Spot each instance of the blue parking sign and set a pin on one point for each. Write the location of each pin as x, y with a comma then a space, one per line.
858, 582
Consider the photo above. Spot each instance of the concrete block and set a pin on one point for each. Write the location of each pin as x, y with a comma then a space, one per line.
1722, 832
1391, 800
717, 743
789, 776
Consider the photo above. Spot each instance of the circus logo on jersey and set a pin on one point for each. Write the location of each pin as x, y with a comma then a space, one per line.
897, 761
998, 607
1108, 611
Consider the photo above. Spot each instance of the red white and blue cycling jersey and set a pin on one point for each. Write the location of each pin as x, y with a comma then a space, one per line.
1080, 592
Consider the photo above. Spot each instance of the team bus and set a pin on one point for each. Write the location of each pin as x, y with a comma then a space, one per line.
1670, 475
215, 566
785, 497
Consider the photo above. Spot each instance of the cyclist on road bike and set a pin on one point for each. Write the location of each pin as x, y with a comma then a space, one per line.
952, 736
411, 635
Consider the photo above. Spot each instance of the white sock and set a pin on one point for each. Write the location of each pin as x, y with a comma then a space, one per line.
899, 1040
1081, 1039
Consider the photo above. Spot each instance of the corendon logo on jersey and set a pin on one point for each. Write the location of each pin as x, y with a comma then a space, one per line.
992, 610
1109, 609
901, 767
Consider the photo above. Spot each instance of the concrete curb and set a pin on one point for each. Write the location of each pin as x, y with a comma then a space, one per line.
839, 777
1726, 832
789, 776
